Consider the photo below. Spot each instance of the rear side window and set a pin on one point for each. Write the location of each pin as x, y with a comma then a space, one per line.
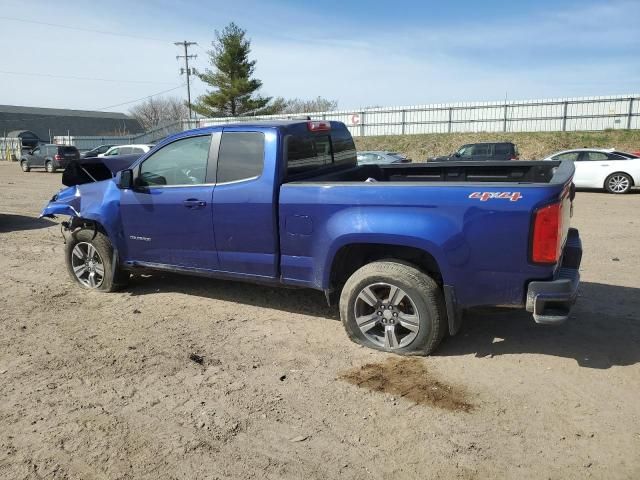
481, 149
626, 155
241, 156
503, 149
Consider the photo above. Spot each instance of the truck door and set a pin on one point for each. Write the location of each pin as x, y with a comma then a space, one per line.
244, 203
167, 217
37, 157
593, 168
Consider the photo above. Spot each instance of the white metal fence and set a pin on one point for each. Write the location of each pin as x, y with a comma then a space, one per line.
564, 114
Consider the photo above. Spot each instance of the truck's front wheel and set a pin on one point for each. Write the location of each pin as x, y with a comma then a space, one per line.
89, 258
393, 307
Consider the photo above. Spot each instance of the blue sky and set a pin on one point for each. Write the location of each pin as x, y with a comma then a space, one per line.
361, 53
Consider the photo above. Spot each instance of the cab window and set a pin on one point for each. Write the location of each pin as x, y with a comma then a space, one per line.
183, 162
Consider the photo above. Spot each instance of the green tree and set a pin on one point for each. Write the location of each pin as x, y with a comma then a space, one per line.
235, 91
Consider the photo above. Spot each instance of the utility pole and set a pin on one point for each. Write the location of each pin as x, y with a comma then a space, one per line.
186, 69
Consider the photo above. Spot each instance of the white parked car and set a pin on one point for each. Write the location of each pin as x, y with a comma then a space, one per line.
616, 172
126, 150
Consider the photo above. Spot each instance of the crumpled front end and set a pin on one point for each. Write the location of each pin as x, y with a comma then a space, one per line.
93, 203
65, 202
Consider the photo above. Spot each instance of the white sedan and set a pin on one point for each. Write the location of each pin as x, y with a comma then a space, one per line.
126, 150
616, 172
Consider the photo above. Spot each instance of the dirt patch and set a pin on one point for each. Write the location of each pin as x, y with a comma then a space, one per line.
409, 378
101, 385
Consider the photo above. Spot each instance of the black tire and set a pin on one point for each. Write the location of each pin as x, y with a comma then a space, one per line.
424, 296
50, 167
113, 277
618, 183
25, 166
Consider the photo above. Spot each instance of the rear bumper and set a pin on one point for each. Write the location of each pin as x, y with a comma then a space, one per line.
550, 301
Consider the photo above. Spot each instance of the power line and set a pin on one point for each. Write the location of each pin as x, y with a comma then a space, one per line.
143, 98
82, 29
52, 75
186, 69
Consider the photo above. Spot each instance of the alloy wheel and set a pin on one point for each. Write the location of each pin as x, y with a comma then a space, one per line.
618, 183
386, 315
87, 265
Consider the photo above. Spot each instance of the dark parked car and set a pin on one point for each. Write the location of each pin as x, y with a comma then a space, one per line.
94, 152
489, 151
49, 157
381, 158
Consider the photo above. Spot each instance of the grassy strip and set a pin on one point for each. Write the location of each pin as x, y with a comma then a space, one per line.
531, 145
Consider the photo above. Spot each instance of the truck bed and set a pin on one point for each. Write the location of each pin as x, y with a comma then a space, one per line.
471, 217
541, 172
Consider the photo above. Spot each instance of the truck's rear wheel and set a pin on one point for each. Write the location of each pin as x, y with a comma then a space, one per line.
393, 307
89, 257
50, 167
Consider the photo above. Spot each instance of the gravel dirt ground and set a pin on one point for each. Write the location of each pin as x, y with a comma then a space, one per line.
189, 378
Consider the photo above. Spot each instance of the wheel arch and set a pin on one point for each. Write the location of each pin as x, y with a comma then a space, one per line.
618, 172
351, 256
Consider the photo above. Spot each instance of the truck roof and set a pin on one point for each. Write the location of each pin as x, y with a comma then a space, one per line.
282, 124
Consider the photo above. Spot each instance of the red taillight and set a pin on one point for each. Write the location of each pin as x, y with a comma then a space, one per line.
321, 126
57, 157
547, 234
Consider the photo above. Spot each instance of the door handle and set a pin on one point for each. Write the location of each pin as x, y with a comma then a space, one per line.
604, 164
194, 203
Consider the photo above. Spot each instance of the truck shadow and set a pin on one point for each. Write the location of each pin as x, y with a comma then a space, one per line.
603, 331
13, 223
300, 301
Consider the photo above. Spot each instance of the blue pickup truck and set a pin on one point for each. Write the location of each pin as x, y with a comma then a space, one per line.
403, 249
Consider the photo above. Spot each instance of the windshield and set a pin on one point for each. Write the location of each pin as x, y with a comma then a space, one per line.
464, 151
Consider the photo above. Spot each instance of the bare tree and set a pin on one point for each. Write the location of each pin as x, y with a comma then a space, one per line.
158, 111
297, 105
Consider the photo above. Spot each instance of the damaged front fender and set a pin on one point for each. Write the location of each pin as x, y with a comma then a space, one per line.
97, 202
65, 202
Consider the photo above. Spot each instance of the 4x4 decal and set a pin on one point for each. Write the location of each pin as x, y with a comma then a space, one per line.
484, 196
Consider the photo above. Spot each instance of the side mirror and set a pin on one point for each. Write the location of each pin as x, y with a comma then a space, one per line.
457, 154
125, 179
